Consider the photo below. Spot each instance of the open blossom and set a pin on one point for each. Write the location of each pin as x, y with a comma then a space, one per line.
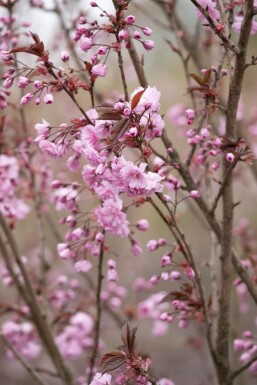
48, 98
100, 70
111, 217
101, 379
23, 337
212, 10
43, 128
75, 337
149, 99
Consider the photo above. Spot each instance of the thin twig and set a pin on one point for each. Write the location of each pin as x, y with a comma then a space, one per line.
100, 277
36, 313
227, 43
39, 380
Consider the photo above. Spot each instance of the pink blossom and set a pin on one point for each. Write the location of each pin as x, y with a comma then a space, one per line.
123, 34
5, 56
175, 275
137, 35
48, 98
148, 45
142, 225
212, 10
26, 98
22, 336
130, 19
165, 381
230, 157
86, 43
43, 128
190, 115
195, 194
136, 249
147, 31
23, 81
65, 56
111, 217
101, 379
48, 148
8, 83
100, 70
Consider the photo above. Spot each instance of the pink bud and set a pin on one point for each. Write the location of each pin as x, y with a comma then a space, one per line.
130, 19
48, 98
137, 35
8, 83
147, 31
190, 272
195, 194
86, 43
142, 225
5, 56
175, 275
123, 34
190, 115
99, 237
23, 82
148, 45
65, 56
230, 157
26, 98
37, 84
165, 260
100, 70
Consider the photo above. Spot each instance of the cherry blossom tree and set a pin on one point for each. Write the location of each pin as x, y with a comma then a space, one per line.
114, 156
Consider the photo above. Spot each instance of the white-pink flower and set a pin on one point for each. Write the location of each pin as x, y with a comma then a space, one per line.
111, 217
100, 70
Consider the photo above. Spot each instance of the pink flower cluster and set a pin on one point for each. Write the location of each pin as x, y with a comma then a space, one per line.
23, 338
247, 346
10, 205
108, 176
76, 338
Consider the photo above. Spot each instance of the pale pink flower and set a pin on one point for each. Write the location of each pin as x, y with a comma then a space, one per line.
48, 98
26, 98
142, 225
212, 10
43, 128
86, 43
130, 19
111, 217
101, 379
148, 45
100, 70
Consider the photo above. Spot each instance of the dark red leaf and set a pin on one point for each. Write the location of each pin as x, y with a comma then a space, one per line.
136, 99
111, 361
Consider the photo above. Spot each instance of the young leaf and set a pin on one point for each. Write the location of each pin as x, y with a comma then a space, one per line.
136, 99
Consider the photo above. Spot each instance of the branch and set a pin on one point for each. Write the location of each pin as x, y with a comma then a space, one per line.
39, 380
213, 26
209, 216
242, 368
98, 313
37, 316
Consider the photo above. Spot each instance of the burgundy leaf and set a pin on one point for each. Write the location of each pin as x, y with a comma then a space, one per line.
136, 99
